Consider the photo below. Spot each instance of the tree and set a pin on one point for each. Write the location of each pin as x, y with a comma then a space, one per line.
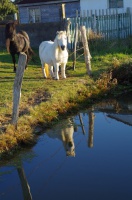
7, 7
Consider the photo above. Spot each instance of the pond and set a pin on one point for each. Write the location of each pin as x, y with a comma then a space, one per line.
87, 156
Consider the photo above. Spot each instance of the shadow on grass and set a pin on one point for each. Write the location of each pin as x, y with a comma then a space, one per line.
7, 58
7, 72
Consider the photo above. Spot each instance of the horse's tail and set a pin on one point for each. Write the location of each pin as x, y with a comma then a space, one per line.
31, 54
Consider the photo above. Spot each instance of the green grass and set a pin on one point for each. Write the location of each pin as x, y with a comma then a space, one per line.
43, 102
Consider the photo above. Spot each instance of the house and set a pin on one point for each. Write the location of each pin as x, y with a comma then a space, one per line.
41, 11
34, 11
111, 19
120, 5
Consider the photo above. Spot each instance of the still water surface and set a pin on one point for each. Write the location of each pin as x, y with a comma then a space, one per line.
88, 156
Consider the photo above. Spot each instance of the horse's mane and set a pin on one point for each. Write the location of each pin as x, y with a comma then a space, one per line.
17, 42
59, 33
10, 31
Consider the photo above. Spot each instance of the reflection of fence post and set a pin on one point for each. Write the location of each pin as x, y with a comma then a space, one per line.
75, 46
91, 129
86, 50
82, 125
17, 87
25, 187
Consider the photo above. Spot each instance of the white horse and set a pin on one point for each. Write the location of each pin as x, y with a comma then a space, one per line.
54, 54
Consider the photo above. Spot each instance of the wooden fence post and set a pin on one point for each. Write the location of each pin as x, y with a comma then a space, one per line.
86, 50
17, 87
75, 46
68, 23
63, 18
63, 11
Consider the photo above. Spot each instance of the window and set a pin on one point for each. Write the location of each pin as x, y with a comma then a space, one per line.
115, 3
34, 15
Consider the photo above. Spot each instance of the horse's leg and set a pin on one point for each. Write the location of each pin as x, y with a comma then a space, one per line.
51, 71
56, 66
43, 70
27, 59
14, 61
63, 68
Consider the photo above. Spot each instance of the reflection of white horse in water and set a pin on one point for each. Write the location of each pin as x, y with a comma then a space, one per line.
64, 132
54, 54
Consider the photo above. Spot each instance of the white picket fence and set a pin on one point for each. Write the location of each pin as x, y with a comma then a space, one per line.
108, 24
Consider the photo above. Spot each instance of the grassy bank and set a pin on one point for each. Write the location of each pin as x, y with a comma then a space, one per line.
44, 102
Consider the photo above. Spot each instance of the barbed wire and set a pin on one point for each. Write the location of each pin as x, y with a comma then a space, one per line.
77, 51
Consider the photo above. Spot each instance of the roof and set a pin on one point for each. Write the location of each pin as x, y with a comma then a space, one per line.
127, 119
41, 1
32, 1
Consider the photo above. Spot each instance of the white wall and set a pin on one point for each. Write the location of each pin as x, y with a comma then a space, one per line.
127, 3
93, 4
100, 4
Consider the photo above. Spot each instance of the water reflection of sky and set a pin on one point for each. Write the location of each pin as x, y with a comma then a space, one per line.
103, 171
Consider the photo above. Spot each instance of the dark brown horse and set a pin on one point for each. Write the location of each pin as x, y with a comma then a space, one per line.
17, 42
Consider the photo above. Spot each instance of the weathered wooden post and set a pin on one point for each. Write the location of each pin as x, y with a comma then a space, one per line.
86, 50
63, 11
75, 46
63, 18
17, 87
68, 23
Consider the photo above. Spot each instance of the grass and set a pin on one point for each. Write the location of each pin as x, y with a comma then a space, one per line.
44, 102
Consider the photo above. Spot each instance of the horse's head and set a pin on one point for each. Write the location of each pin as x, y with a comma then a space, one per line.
67, 137
10, 30
70, 149
61, 39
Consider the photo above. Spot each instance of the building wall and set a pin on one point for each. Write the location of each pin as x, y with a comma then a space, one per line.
49, 12
127, 3
93, 4
23, 15
71, 9
100, 4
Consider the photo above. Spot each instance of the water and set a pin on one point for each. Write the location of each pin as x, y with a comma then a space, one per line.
87, 156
